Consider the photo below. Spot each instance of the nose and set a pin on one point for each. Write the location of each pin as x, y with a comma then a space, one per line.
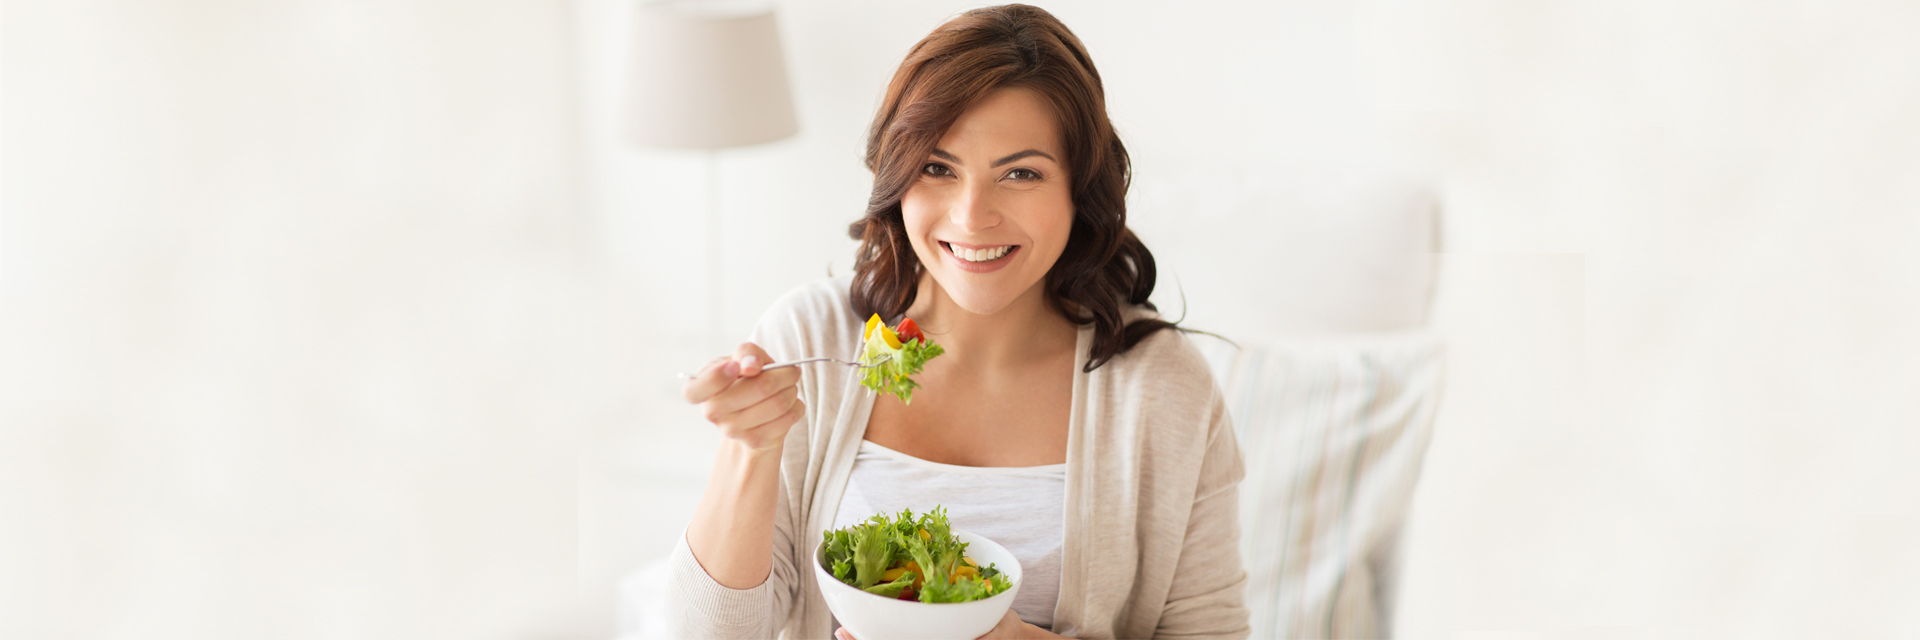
976, 209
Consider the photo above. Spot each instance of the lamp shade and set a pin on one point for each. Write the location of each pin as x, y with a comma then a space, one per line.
707, 75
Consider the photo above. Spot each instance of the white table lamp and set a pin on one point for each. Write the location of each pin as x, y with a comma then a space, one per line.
708, 74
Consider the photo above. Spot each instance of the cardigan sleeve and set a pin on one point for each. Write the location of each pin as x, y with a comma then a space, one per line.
702, 608
1208, 596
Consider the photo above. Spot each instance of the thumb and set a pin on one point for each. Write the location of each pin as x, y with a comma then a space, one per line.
751, 358
712, 379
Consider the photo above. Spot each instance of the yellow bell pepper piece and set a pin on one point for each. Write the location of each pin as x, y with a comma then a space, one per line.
919, 577
871, 323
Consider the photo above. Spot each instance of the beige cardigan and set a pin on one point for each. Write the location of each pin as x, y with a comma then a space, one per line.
1151, 543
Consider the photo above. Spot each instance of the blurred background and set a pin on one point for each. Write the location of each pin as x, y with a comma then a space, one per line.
360, 319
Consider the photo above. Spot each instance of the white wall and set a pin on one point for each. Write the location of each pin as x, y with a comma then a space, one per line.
298, 330
308, 308
1699, 421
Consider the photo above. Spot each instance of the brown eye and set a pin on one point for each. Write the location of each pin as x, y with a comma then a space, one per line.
1024, 174
936, 169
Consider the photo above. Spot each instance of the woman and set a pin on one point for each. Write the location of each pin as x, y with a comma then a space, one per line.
1064, 422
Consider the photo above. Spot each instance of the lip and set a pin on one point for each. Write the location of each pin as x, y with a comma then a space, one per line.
946, 249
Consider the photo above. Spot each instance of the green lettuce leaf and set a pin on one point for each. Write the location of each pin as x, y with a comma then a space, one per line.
838, 553
893, 589
871, 551
895, 366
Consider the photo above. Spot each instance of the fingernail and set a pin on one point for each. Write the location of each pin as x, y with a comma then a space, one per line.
732, 370
749, 361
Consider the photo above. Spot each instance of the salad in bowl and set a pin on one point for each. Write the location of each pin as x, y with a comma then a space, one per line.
914, 577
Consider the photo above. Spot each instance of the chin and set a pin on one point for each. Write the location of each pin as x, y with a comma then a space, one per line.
978, 302
981, 300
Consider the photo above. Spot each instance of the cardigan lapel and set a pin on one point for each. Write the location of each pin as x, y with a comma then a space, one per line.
835, 457
1100, 559
1070, 612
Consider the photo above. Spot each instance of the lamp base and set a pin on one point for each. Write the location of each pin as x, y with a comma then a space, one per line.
716, 292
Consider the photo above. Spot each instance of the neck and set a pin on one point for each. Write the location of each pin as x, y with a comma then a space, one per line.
1027, 329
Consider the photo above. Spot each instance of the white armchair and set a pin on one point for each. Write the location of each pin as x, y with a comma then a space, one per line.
1323, 281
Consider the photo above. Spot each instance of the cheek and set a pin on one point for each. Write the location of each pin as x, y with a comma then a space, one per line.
1058, 223
913, 207
916, 216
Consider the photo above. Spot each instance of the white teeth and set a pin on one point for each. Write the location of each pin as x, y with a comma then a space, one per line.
981, 255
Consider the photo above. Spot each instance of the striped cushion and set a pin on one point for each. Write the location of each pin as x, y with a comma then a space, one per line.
1333, 432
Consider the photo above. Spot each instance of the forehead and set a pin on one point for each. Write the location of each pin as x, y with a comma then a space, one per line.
1008, 119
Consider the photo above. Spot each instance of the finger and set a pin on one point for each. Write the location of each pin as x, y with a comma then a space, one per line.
712, 379
771, 435
751, 357
747, 392
702, 386
1008, 627
793, 416
842, 634
763, 412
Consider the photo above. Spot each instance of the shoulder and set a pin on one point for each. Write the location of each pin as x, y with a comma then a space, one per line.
1165, 363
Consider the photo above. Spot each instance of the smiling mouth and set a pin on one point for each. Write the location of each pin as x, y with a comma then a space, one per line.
983, 255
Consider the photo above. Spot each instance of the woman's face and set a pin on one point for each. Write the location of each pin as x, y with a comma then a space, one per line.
993, 206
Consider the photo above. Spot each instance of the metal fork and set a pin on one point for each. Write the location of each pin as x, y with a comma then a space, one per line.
855, 365
777, 365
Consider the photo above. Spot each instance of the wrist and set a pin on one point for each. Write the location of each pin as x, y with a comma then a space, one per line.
742, 451
1034, 632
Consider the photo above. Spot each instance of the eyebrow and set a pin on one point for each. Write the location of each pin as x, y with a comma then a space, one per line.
1016, 156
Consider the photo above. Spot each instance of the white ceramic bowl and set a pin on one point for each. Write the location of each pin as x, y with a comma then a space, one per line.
872, 617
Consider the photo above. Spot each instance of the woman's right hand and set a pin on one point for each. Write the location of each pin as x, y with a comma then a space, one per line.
751, 408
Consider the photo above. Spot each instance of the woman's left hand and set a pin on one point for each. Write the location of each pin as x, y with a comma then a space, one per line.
1011, 627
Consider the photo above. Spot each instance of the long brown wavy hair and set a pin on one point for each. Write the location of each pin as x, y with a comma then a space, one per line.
1104, 267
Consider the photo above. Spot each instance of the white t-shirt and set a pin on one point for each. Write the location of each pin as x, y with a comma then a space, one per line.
1022, 508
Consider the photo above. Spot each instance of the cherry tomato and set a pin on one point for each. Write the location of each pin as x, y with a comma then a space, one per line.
910, 331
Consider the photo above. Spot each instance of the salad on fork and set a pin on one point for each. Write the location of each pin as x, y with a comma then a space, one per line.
891, 355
